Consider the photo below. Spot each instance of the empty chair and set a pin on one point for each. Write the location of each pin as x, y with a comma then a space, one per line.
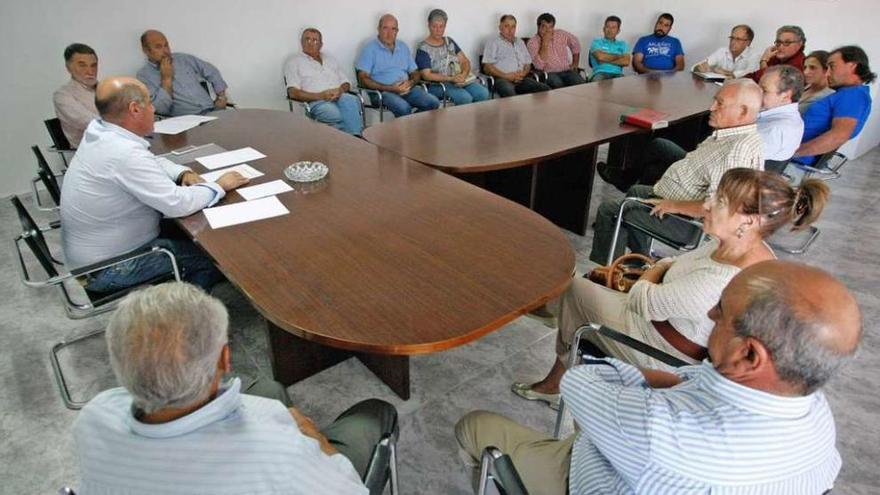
60, 144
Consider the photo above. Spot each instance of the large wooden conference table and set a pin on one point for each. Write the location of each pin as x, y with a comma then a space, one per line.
539, 150
385, 258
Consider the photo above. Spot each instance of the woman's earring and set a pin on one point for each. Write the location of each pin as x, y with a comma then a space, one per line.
740, 232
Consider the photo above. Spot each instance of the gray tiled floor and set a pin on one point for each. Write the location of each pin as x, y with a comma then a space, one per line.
37, 452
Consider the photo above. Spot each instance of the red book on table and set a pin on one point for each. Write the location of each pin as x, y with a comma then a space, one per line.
645, 117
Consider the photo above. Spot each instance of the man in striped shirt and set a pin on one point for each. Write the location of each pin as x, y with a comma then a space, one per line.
176, 428
686, 179
752, 421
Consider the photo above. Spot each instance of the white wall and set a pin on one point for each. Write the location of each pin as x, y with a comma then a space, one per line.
249, 41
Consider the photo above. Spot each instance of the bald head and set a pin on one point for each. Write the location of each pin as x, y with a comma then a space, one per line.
388, 30
808, 321
737, 103
125, 101
155, 45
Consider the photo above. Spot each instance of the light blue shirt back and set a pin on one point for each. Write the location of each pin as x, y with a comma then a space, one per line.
611, 47
386, 66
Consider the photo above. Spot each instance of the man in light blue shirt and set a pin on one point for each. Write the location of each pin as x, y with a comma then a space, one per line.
608, 55
387, 65
779, 123
174, 79
751, 421
176, 427
116, 191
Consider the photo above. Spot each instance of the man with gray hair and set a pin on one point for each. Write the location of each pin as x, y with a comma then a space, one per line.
116, 192
750, 421
788, 49
779, 123
317, 78
676, 181
177, 427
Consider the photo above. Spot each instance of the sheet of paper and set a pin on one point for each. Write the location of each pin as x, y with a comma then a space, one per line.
247, 211
244, 169
711, 75
230, 158
262, 190
176, 125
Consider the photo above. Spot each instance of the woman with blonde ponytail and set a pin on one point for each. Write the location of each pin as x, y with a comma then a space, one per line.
667, 308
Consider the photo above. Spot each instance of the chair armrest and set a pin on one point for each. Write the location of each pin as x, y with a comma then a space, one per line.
36, 194
499, 465
129, 256
678, 216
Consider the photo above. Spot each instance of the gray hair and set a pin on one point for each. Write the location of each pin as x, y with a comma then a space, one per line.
165, 342
437, 14
795, 30
800, 354
790, 79
116, 104
311, 30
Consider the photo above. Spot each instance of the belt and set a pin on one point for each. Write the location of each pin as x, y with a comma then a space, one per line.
679, 341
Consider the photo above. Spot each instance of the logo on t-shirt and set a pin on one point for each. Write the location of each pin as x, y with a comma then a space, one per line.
658, 49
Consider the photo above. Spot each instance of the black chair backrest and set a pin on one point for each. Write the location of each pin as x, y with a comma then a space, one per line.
33, 237
47, 176
777, 166
507, 479
56, 134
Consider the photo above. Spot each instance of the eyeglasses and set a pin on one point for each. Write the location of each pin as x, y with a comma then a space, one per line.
785, 43
312, 41
734, 38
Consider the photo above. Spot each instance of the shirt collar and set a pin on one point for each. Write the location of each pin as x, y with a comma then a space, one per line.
733, 131
101, 126
742, 55
750, 399
502, 38
787, 108
225, 404
75, 83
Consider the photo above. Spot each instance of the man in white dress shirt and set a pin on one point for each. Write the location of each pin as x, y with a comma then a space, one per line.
116, 191
317, 78
736, 59
177, 427
752, 421
779, 123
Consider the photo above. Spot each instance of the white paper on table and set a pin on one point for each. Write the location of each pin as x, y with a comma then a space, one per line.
247, 211
263, 190
244, 169
230, 158
176, 125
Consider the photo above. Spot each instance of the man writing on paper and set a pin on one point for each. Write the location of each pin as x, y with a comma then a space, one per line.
116, 191
735, 60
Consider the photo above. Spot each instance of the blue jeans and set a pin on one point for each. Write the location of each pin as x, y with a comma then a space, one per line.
417, 98
343, 114
461, 95
194, 265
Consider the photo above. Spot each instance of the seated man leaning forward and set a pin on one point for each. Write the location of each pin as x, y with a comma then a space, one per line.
835, 119
176, 427
751, 421
116, 191
507, 60
609, 55
386, 65
688, 179
734, 60
779, 123
315, 77
658, 51
556, 52
788, 49
174, 79
667, 307
75, 101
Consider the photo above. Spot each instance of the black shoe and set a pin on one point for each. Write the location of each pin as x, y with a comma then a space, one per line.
614, 176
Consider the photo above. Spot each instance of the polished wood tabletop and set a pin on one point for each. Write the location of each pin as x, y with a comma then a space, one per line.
383, 256
501, 133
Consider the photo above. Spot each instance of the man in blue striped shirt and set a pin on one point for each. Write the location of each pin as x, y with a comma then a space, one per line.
750, 422
177, 428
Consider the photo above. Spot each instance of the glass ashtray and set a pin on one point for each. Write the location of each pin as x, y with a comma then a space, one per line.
306, 171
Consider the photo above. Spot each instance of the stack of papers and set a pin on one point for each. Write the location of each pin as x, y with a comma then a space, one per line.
248, 211
244, 169
230, 158
176, 125
263, 190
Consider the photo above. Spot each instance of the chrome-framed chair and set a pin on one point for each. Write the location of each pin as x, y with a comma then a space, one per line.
49, 181
307, 107
382, 467
377, 103
210, 90
577, 353
95, 303
497, 468
60, 144
689, 244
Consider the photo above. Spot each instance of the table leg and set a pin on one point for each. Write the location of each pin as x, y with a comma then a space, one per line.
294, 359
515, 184
564, 187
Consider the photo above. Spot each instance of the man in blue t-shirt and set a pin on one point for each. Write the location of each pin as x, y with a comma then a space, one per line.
608, 55
839, 117
658, 51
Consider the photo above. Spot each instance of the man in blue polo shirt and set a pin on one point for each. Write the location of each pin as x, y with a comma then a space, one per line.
608, 55
386, 65
839, 117
658, 51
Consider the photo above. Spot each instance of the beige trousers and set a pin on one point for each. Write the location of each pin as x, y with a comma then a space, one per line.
541, 460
